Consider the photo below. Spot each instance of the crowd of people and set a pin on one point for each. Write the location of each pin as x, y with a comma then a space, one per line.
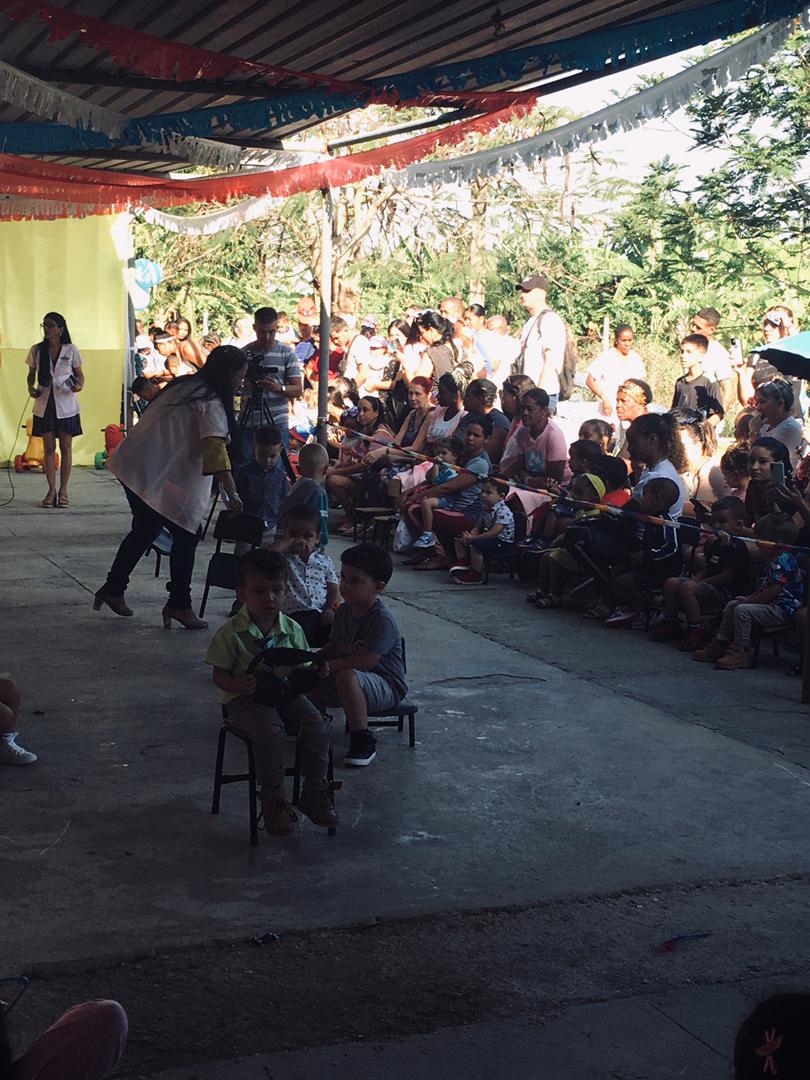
677, 533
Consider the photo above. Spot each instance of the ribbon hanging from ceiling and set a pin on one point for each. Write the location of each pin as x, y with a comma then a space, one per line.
658, 100
192, 134
76, 191
158, 58
612, 47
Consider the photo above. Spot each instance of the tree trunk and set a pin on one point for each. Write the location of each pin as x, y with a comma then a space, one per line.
478, 238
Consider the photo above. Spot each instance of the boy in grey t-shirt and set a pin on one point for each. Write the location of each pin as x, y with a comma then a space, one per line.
362, 665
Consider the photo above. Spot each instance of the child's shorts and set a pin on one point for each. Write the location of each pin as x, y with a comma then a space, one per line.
444, 503
379, 694
491, 546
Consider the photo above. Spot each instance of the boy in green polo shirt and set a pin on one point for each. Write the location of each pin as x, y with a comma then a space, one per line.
261, 585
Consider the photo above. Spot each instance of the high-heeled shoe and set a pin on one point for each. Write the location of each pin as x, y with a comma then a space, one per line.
185, 616
115, 603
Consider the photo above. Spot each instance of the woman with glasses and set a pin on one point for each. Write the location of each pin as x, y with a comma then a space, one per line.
55, 377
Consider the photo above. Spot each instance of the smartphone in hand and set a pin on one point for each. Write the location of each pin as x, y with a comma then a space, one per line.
778, 473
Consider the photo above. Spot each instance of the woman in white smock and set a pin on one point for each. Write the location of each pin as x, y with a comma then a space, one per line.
165, 466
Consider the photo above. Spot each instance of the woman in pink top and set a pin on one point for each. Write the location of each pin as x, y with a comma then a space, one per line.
538, 453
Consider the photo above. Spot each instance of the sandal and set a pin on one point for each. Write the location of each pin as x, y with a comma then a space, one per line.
597, 610
49, 501
543, 603
62, 499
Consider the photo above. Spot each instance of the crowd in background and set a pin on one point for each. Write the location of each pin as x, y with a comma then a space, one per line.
473, 434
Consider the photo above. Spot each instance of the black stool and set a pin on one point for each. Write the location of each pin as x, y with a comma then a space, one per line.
221, 778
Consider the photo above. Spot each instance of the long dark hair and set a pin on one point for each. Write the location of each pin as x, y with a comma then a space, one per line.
778, 449
43, 349
376, 405
665, 429
213, 380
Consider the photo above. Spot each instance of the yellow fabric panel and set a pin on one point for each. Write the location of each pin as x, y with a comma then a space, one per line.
215, 456
72, 267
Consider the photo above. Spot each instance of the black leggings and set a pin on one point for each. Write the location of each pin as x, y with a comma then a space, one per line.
146, 526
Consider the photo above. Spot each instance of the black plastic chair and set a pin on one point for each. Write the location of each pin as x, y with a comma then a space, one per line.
162, 546
395, 717
230, 529
221, 778
504, 561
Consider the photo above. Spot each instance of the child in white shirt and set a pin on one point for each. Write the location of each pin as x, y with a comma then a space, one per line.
312, 581
494, 535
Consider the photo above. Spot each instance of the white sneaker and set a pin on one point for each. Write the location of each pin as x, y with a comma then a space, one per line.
12, 754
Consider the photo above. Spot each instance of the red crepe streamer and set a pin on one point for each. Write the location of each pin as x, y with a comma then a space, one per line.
112, 191
158, 58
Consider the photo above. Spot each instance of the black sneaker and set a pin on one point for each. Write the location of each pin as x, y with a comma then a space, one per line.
362, 749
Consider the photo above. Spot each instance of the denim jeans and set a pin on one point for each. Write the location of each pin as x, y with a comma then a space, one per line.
146, 525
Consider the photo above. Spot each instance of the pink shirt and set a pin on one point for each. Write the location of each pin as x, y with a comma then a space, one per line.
537, 453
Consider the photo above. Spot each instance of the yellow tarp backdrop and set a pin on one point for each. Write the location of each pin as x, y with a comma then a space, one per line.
75, 268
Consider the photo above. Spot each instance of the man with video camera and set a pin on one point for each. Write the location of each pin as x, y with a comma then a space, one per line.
272, 381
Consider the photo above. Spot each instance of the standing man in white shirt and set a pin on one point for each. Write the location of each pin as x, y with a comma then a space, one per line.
717, 365
542, 340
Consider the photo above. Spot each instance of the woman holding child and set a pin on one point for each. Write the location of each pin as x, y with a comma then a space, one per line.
464, 493
165, 466
346, 479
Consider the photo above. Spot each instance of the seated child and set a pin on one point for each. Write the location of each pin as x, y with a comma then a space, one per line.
556, 565
362, 665
734, 467
726, 571
655, 554
11, 753
263, 483
145, 390
312, 582
583, 457
597, 431
493, 535
779, 595
613, 471
764, 453
309, 490
261, 586
448, 453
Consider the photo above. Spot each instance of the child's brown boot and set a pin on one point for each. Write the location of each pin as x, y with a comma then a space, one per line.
316, 801
713, 651
279, 817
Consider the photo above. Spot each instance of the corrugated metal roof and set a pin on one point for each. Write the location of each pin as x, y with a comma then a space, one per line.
350, 40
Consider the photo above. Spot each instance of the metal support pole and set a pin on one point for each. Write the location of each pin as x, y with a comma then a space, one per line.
326, 314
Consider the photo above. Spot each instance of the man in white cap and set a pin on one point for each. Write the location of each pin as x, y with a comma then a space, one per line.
542, 339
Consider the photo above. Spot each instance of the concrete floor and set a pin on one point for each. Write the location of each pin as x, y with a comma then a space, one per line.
557, 762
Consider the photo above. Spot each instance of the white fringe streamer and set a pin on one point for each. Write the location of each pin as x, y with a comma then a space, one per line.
665, 97
30, 94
